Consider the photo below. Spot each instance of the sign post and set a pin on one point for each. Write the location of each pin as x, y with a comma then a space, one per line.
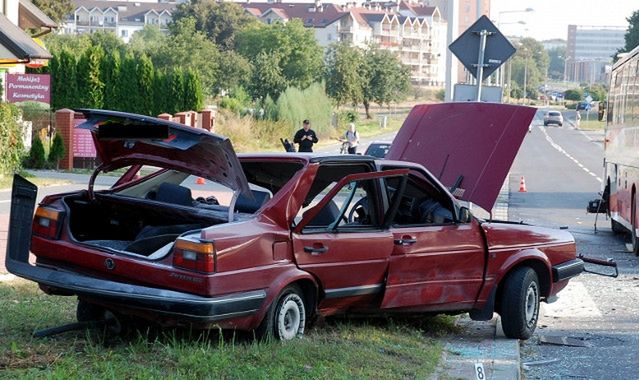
482, 56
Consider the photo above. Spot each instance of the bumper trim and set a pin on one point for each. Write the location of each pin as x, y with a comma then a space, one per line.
567, 270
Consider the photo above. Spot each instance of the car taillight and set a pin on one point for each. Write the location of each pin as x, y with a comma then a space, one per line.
194, 255
47, 222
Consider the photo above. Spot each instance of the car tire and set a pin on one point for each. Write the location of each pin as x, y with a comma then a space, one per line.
520, 303
286, 317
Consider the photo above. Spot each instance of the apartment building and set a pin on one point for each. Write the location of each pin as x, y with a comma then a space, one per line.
589, 52
120, 17
414, 32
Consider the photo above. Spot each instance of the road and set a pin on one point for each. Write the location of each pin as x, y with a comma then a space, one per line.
562, 168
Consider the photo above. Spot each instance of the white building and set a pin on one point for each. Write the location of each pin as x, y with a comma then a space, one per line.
120, 17
415, 33
589, 52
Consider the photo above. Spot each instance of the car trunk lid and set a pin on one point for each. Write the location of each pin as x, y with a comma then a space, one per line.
123, 139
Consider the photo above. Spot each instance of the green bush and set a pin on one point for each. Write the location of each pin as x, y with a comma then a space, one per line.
231, 104
57, 151
440, 94
36, 154
10, 139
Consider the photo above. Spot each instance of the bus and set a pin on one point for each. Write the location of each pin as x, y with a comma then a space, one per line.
621, 149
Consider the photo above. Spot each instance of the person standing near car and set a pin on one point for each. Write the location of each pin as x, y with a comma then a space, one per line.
352, 138
305, 137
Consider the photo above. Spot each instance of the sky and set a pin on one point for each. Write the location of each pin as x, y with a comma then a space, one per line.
550, 18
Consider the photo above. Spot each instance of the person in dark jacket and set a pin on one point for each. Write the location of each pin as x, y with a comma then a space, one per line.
305, 137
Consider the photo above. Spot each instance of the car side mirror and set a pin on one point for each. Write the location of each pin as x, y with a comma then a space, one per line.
465, 216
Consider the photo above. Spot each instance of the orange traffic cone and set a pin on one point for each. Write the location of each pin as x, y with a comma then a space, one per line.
200, 181
522, 185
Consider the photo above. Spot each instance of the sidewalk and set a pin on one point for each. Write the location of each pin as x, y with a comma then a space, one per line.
481, 346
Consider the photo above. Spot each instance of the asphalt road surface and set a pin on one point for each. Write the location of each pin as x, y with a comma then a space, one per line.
592, 331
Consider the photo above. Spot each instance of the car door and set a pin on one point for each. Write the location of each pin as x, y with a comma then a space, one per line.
341, 241
437, 263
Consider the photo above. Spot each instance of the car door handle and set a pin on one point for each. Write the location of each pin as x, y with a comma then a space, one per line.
315, 250
405, 241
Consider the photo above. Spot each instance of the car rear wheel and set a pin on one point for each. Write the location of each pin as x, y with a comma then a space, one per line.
520, 303
286, 317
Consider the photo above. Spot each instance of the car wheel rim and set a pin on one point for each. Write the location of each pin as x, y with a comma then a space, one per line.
290, 320
531, 304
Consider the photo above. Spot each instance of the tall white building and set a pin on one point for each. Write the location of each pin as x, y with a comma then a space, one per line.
589, 52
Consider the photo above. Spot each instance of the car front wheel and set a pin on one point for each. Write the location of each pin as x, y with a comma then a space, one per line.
520, 303
286, 317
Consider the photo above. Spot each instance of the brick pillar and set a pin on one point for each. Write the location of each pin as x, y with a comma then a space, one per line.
193, 116
64, 126
181, 117
165, 116
207, 120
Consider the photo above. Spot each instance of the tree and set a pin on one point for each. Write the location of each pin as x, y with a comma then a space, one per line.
343, 69
57, 10
110, 75
234, 70
57, 151
267, 79
557, 63
36, 154
129, 97
176, 90
188, 48
530, 64
145, 73
150, 40
632, 34
386, 79
299, 57
65, 84
220, 21
92, 94
10, 139
193, 96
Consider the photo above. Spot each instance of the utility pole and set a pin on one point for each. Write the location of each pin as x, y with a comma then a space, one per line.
451, 65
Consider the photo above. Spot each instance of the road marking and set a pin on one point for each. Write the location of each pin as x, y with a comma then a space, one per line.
574, 301
562, 151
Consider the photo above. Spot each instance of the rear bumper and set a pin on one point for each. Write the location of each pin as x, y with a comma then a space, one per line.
174, 304
567, 270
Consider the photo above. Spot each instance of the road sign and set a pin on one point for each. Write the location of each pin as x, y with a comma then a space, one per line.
466, 46
588, 98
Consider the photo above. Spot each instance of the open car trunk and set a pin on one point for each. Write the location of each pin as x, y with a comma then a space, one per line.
139, 226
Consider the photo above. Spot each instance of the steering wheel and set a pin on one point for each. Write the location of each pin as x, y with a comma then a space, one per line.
359, 212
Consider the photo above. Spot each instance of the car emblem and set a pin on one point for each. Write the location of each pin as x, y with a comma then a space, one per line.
109, 264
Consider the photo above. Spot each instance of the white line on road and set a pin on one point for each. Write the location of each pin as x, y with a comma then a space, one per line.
562, 151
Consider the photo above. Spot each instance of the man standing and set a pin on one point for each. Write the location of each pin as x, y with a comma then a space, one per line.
305, 137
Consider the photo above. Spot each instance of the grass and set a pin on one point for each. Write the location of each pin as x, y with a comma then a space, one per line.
338, 349
6, 181
592, 125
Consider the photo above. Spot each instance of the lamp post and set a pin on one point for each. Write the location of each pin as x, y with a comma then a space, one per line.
499, 24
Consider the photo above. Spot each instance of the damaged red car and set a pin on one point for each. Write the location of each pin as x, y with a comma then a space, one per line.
270, 241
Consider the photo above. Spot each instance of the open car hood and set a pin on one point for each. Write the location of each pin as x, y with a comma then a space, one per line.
468, 146
123, 139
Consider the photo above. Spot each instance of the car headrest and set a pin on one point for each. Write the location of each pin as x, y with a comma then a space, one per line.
176, 194
248, 205
326, 215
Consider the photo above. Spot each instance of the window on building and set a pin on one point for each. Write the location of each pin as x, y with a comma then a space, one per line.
124, 33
